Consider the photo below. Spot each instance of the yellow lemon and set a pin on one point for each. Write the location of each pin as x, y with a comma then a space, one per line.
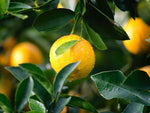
138, 32
25, 52
82, 51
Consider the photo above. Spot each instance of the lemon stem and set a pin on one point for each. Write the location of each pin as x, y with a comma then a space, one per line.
74, 26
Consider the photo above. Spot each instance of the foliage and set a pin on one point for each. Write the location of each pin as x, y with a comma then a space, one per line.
42, 90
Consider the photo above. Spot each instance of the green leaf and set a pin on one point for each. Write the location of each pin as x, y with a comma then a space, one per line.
53, 19
34, 111
18, 73
18, 6
109, 85
134, 108
62, 76
22, 93
103, 25
41, 91
39, 88
82, 6
21, 16
65, 46
80, 103
36, 105
4, 5
32, 68
103, 6
138, 80
38, 75
95, 38
61, 104
143, 10
5, 104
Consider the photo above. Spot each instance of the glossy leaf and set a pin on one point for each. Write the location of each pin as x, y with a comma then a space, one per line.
18, 73
103, 25
61, 104
109, 85
38, 75
53, 19
41, 91
65, 46
18, 6
95, 38
21, 16
134, 108
32, 68
5, 104
80, 103
34, 111
36, 105
22, 93
138, 80
62, 76
103, 6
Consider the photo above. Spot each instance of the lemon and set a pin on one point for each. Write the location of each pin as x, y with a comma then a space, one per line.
25, 52
138, 31
82, 51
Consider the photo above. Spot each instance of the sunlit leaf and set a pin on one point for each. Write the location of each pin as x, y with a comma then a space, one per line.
95, 38
18, 15
65, 46
36, 105
4, 5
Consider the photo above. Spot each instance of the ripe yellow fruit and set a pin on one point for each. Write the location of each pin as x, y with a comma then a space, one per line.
82, 51
138, 32
146, 69
26, 52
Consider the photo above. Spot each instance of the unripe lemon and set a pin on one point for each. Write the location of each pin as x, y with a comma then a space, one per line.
25, 52
138, 32
146, 69
82, 51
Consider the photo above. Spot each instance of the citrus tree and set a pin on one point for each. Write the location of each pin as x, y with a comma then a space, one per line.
69, 56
